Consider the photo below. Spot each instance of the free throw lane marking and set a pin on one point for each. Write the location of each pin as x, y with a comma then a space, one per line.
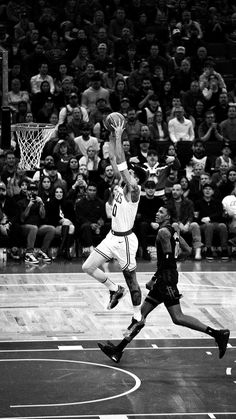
137, 382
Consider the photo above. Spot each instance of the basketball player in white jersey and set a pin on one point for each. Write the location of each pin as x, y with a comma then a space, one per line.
120, 243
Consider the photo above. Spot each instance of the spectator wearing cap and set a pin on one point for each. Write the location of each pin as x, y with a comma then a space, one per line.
210, 218
101, 58
118, 23
85, 140
9, 222
143, 146
44, 171
35, 81
32, 217
93, 93
119, 93
176, 58
228, 126
146, 116
65, 114
111, 76
174, 42
180, 128
145, 222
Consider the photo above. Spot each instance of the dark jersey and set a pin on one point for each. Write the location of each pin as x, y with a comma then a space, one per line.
162, 261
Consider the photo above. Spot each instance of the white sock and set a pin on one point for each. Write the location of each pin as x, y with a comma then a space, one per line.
137, 313
110, 285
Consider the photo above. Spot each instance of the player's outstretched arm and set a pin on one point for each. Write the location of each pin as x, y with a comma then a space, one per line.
121, 161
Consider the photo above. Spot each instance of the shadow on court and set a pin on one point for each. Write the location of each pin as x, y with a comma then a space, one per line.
180, 378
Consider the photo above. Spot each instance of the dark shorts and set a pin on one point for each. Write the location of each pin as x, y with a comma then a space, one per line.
165, 291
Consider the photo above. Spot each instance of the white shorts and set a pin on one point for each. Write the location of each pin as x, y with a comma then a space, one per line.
122, 248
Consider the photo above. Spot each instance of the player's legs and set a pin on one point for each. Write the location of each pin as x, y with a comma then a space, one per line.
221, 336
135, 292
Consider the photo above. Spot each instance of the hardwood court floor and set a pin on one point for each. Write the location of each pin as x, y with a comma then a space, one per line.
52, 316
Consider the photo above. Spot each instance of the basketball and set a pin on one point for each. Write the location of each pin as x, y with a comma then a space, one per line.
113, 119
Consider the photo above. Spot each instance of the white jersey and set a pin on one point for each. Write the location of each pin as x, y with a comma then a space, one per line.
123, 212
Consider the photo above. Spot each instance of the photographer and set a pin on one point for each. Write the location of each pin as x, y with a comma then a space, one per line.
32, 216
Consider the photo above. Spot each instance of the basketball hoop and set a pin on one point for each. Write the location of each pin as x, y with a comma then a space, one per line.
31, 138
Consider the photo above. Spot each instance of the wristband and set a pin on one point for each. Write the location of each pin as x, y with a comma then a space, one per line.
122, 166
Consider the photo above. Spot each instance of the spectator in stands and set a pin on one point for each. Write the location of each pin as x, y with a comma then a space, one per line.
106, 181
91, 160
227, 187
84, 80
183, 77
101, 58
142, 151
16, 95
195, 181
219, 178
155, 59
224, 157
210, 130
9, 228
183, 220
66, 113
210, 218
56, 177
166, 97
158, 129
185, 25
110, 77
102, 38
48, 161
222, 107
232, 94
60, 214
93, 93
180, 128
128, 63
119, 92
74, 127
118, 23
90, 217
184, 182
78, 189
136, 77
45, 189
81, 59
228, 126
229, 205
61, 156
61, 75
39, 99
145, 222
149, 109
20, 116
191, 97
121, 45
32, 216
198, 115
230, 30
198, 60
144, 44
198, 157
46, 111
85, 140
10, 167
208, 73
72, 171
100, 110
35, 81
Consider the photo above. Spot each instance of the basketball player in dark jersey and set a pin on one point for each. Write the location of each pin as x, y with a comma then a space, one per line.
163, 289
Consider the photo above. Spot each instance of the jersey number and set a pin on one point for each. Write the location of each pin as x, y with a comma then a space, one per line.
114, 210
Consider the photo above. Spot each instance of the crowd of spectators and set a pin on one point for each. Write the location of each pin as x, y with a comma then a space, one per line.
71, 63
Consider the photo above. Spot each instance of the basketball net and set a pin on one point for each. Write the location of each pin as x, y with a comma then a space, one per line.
32, 138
